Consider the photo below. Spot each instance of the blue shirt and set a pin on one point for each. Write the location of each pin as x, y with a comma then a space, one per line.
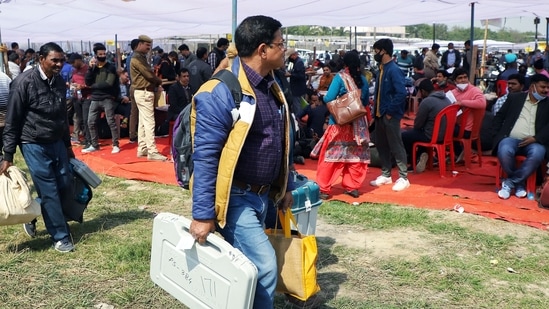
261, 156
128, 61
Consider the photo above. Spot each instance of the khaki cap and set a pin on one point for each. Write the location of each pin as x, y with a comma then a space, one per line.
290, 52
145, 38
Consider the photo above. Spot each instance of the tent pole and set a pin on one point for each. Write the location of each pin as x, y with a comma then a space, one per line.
473, 51
434, 34
546, 32
2, 69
536, 22
483, 61
355, 40
350, 38
234, 18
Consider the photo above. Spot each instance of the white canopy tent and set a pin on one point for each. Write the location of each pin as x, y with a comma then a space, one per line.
99, 20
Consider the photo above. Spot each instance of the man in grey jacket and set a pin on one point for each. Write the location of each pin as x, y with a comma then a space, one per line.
433, 102
199, 70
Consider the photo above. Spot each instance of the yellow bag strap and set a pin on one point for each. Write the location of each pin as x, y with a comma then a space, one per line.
286, 218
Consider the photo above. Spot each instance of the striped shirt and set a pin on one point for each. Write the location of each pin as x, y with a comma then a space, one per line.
4, 92
261, 156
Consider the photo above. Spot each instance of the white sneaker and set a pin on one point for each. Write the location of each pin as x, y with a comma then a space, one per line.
520, 192
89, 149
420, 166
115, 149
401, 184
380, 181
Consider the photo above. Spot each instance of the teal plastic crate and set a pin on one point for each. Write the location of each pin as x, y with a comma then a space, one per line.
305, 206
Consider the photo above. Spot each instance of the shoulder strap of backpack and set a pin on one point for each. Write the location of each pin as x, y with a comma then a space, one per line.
232, 83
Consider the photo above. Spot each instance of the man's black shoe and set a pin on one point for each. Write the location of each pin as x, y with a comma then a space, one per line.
30, 228
299, 160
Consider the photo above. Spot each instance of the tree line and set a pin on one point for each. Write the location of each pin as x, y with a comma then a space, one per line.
425, 31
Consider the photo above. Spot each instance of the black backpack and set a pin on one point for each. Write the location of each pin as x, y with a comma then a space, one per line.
182, 142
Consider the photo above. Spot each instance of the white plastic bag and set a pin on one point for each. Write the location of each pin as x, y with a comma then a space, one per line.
16, 203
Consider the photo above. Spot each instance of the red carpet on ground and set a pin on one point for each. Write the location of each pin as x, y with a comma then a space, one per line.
473, 189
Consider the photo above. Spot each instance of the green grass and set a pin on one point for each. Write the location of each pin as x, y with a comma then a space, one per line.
444, 263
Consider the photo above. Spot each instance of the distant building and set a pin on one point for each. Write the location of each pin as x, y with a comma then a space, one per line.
381, 31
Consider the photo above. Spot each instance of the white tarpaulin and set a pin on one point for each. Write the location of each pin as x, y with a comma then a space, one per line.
59, 20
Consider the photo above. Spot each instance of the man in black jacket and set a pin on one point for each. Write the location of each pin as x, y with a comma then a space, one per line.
451, 58
521, 127
105, 89
218, 53
37, 121
179, 95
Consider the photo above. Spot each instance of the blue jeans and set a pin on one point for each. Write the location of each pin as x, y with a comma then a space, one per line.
409, 137
49, 168
508, 148
245, 231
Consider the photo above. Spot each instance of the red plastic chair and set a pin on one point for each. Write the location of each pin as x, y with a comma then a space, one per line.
530, 181
449, 114
478, 116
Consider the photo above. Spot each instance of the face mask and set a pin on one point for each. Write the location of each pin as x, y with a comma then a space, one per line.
101, 59
377, 57
450, 49
462, 86
536, 95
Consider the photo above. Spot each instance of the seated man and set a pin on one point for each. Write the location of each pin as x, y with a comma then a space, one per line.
326, 78
468, 97
404, 62
442, 82
433, 102
316, 113
510, 67
521, 127
180, 95
314, 73
514, 84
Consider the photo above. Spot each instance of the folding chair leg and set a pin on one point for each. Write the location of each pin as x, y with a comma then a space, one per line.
467, 154
441, 150
479, 152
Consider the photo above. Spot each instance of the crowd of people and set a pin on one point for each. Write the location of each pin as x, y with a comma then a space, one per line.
516, 130
283, 117
46, 93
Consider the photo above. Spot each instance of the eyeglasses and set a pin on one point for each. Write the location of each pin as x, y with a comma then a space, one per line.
281, 45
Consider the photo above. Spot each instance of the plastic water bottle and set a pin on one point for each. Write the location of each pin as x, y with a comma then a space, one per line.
531, 196
83, 197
